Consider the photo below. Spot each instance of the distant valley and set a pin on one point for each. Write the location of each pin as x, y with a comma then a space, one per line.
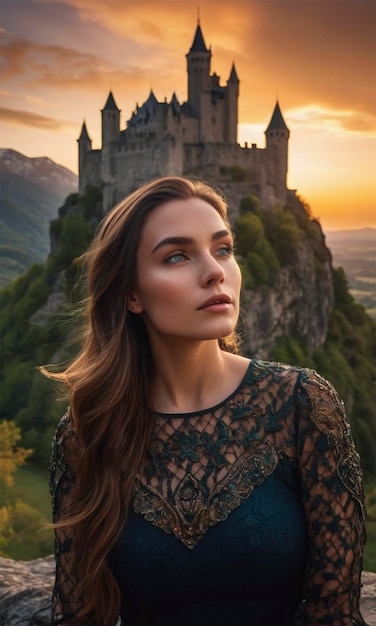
31, 192
355, 251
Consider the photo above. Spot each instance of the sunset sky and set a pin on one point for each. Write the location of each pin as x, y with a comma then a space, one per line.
60, 58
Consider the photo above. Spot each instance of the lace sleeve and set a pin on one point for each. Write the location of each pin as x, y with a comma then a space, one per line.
65, 450
334, 504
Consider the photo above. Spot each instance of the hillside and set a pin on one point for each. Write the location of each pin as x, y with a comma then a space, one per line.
355, 251
31, 191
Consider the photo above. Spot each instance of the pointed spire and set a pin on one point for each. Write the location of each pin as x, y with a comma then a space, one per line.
174, 103
110, 104
84, 136
151, 98
233, 75
277, 122
198, 44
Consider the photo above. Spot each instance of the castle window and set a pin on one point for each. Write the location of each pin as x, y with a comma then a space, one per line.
271, 134
213, 120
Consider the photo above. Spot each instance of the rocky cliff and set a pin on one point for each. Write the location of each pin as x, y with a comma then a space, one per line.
301, 298
298, 304
26, 586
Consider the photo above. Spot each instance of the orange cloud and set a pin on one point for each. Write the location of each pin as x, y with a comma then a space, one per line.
333, 120
18, 117
304, 51
35, 65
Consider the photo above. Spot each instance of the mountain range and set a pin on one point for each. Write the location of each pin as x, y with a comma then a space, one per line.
31, 192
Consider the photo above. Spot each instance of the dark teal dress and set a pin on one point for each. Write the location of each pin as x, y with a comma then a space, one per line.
249, 512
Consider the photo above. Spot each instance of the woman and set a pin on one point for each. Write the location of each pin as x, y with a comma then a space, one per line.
192, 485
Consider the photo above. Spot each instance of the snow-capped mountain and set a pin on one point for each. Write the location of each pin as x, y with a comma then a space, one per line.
40, 170
31, 192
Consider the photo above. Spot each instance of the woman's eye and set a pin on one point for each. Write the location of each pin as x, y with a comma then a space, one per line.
225, 251
176, 257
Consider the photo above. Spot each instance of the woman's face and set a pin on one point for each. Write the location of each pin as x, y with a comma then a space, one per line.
188, 282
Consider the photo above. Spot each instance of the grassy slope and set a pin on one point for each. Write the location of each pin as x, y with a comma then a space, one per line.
31, 487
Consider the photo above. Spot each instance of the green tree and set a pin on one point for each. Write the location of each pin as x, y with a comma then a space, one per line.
248, 230
75, 236
283, 233
250, 204
265, 251
11, 456
257, 268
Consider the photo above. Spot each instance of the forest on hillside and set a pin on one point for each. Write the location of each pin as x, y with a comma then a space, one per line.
266, 242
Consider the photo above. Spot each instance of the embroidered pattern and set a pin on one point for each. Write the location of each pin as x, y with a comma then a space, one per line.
193, 511
202, 466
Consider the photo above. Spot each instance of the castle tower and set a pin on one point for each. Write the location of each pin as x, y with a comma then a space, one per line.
198, 67
277, 139
110, 122
231, 117
84, 147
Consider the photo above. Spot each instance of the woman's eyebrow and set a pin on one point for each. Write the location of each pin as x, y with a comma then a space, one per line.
184, 241
220, 234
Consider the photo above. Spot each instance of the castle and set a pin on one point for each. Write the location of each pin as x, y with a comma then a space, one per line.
197, 138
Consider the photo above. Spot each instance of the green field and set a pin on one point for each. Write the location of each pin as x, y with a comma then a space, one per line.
36, 540
31, 537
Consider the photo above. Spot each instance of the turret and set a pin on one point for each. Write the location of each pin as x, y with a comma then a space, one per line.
110, 122
198, 67
278, 124
84, 147
232, 95
277, 138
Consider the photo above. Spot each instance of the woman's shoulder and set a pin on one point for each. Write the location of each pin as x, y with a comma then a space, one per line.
65, 444
65, 448
296, 375
65, 428
274, 372
312, 393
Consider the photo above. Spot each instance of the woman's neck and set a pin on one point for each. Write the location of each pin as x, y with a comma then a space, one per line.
195, 376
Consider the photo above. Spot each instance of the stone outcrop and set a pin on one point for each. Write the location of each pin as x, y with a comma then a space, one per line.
25, 593
368, 600
298, 304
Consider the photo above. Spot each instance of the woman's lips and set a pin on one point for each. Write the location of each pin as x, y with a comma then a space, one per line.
217, 303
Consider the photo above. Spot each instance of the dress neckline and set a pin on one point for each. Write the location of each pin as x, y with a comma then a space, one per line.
215, 406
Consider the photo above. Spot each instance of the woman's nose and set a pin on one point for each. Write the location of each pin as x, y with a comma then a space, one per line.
212, 271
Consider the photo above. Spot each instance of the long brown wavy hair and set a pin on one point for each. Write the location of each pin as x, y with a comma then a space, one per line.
108, 388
